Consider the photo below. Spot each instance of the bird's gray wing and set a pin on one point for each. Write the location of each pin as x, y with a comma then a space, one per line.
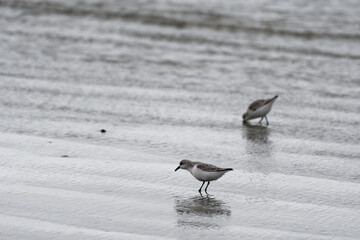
257, 104
210, 168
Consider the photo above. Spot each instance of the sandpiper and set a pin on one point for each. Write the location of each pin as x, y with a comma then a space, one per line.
203, 172
259, 108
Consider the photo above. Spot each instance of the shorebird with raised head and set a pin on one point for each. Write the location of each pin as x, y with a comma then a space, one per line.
259, 109
203, 172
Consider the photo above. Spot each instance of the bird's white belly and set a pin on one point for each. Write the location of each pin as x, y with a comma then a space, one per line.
204, 175
260, 112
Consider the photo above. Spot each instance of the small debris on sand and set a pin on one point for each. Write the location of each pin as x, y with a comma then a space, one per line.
65, 156
103, 131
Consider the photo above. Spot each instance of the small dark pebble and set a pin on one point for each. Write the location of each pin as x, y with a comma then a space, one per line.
103, 131
50, 141
65, 156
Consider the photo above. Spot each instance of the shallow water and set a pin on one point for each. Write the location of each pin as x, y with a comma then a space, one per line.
170, 80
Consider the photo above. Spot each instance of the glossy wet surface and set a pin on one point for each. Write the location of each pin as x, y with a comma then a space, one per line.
170, 80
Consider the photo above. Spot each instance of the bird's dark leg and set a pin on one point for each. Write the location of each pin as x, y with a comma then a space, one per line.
267, 122
207, 187
201, 187
261, 120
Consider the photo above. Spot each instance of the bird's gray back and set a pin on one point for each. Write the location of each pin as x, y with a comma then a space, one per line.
208, 167
257, 104
260, 103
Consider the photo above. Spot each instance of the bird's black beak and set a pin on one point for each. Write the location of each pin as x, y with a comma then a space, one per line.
177, 168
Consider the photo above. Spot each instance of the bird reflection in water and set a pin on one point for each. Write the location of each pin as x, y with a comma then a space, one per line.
258, 147
201, 212
256, 133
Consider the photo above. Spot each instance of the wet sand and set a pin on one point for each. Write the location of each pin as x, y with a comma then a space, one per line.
170, 80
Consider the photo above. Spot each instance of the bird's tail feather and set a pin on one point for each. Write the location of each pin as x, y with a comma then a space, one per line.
225, 169
271, 99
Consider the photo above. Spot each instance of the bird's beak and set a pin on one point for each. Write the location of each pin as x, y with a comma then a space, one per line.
177, 168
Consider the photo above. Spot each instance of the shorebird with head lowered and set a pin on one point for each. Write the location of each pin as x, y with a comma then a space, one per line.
259, 109
203, 172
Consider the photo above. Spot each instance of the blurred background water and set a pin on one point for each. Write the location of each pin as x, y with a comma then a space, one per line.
170, 80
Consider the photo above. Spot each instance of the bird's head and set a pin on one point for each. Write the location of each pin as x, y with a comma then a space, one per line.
245, 115
184, 164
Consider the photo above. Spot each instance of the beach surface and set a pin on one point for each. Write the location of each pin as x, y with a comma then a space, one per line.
170, 80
